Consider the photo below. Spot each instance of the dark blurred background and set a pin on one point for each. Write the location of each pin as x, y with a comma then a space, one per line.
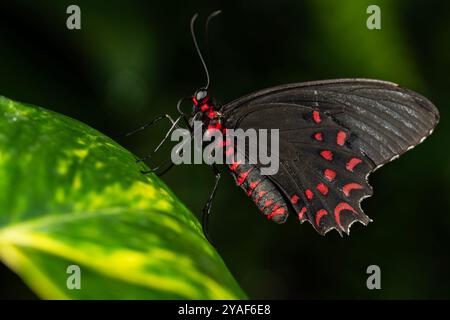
132, 60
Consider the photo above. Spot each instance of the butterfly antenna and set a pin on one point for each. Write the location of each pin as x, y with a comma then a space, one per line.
210, 17
208, 20
194, 38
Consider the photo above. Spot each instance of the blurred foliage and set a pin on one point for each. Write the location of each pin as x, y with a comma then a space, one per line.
78, 198
133, 60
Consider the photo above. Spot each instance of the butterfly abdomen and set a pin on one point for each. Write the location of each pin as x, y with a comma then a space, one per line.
263, 192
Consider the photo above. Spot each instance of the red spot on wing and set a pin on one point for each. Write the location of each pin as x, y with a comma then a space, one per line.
351, 186
352, 163
327, 155
337, 211
316, 116
195, 101
318, 136
329, 174
276, 212
323, 189
319, 215
204, 107
309, 194
301, 213
294, 199
243, 176
340, 138
211, 114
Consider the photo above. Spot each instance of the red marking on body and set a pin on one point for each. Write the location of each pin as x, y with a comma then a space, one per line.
276, 212
195, 101
212, 127
204, 107
320, 214
211, 114
316, 116
294, 199
352, 163
226, 142
301, 213
309, 194
318, 136
260, 195
217, 126
243, 176
229, 151
351, 186
327, 155
234, 166
340, 138
253, 184
329, 174
337, 211
323, 189
268, 203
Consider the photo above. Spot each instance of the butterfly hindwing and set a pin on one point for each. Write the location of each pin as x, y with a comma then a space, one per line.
320, 175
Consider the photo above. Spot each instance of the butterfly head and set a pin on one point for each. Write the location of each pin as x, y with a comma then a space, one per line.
203, 104
200, 97
204, 107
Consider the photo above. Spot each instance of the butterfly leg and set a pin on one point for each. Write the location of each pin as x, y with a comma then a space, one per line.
174, 126
149, 124
158, 167
207, 208
168, 161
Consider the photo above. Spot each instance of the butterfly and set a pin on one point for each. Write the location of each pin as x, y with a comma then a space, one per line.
332, 135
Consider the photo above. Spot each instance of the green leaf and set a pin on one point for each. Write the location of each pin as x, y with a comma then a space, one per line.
71, 196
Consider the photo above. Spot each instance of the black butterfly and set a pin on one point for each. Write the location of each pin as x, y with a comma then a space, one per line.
333, 134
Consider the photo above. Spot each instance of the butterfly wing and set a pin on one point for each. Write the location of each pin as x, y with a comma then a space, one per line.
333, 134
